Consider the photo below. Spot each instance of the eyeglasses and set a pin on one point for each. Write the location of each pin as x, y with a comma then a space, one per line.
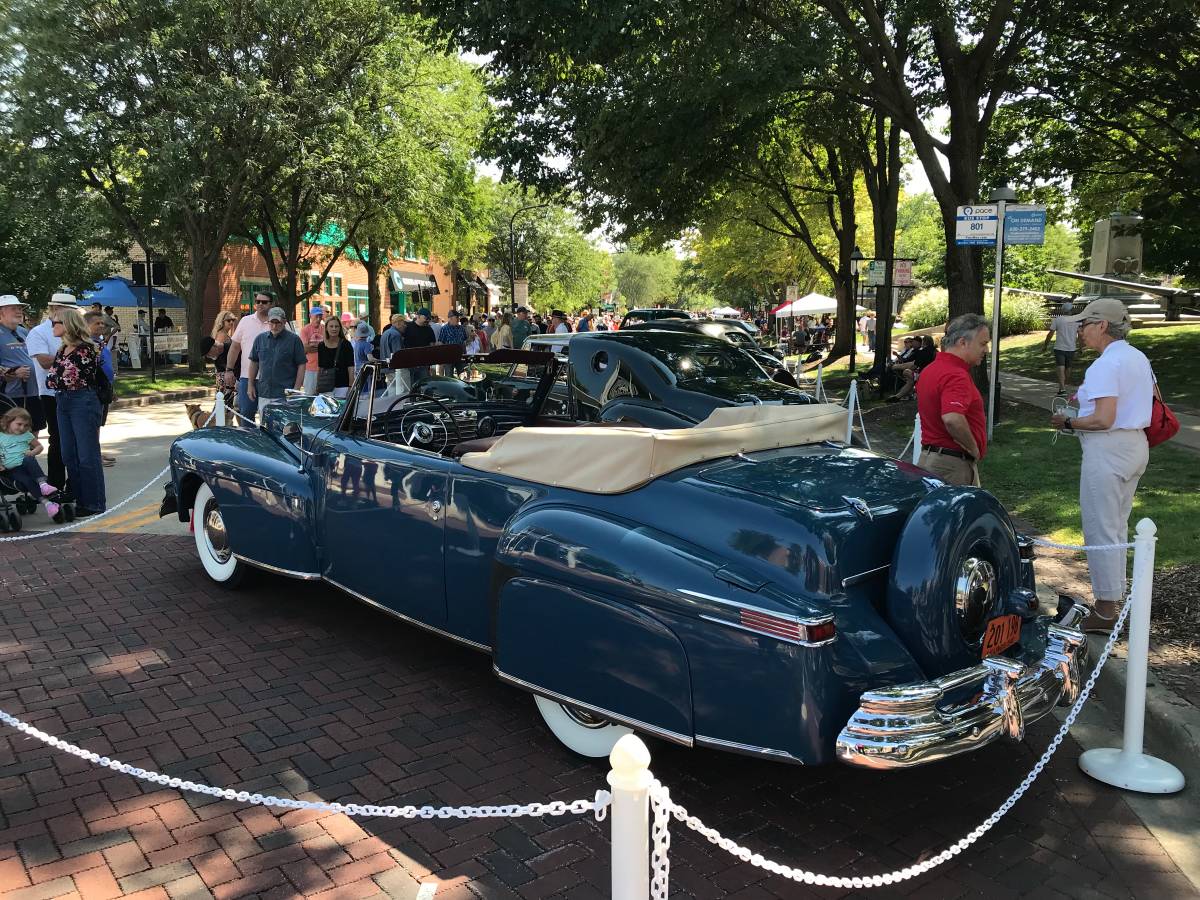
275, 322
56, 321
263, 302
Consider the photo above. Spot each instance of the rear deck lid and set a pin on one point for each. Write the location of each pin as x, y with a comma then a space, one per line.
824, 478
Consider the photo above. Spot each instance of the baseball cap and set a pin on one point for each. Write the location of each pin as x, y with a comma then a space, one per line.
62, 298
363, 330
317, 311
10, 300
1108, 309
277, 313
559, 313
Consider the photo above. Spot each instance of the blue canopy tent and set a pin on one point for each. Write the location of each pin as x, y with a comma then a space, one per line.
118, 291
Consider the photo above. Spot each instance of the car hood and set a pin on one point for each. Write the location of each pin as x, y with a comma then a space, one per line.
743, 391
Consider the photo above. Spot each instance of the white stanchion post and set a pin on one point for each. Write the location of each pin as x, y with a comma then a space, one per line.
1129, 767
219, 409
916, 439
820, 392
630, 812
851, 402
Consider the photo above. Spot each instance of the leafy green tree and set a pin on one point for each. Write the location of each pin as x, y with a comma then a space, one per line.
160, 108
921, 238
646, 279
48, 231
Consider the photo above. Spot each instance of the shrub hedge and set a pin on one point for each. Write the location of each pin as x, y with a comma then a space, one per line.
1018, 314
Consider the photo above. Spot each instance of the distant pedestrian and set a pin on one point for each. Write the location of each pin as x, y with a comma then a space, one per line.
390, 343
1116, 400
502, 337
75, 376
953, 424
18, 383
277, 360
362, 351
237, 369
312, 334
104, 389
1064, 328
215, 348
453, 332
871, 323
521, 327
335, 360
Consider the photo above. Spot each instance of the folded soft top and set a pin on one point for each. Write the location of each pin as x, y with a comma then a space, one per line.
613, 459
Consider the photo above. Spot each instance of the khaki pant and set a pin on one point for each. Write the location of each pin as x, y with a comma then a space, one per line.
951, 469
1113, 463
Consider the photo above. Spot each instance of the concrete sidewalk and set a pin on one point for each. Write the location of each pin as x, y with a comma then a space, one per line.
1041, 394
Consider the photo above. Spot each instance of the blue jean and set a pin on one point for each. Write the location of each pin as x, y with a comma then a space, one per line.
79, 414
246, 406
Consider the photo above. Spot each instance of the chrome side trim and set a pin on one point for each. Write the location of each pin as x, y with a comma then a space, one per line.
637, 724
267, 567
858, 578
776, 637
810, 620
411, 621
748, 749
911, 724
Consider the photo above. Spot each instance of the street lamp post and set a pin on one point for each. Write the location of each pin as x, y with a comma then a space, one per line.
856, 259
512, 252
1001, 196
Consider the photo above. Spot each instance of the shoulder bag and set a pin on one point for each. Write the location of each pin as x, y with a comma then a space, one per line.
1163, 424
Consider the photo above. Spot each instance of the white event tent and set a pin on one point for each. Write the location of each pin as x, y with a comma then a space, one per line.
812, 305
725, 312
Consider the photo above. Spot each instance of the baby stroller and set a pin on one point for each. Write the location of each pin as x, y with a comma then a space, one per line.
16, 502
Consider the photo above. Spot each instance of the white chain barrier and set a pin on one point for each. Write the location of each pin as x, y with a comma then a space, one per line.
1051, 544
660, 799
597, 805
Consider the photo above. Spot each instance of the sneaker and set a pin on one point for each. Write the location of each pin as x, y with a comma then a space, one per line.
54, 511
47, 489
1061, 393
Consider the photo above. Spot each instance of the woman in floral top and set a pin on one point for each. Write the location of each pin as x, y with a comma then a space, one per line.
74, 375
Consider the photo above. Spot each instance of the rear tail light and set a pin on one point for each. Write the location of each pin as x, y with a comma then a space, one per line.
785, 627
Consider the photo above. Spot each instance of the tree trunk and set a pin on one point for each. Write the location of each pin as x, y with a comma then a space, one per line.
371, 263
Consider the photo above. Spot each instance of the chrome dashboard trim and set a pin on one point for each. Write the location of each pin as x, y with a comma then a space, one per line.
411, 621
267, 567
637, 724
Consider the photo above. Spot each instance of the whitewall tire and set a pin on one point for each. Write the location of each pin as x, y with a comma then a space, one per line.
579, 730
212, 541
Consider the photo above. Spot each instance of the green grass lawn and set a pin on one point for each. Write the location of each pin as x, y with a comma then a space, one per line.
131, 385
1172, 351
1039, 481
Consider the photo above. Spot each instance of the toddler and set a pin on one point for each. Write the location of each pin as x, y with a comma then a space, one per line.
18, 459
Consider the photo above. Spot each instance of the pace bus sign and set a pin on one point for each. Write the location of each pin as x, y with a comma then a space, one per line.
976, 225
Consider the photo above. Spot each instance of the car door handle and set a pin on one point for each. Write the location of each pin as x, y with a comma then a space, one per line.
435, 508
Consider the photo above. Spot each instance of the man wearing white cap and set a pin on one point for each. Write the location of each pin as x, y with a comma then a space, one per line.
1115, 404
42, 346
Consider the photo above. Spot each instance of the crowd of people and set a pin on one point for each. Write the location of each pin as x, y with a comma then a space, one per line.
57, 375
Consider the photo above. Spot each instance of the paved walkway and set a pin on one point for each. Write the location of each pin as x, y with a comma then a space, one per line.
1042, 393
118, 643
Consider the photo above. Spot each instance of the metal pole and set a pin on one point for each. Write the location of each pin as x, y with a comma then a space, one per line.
512, 263
993, 376
1129, 767
630, 782
854, 321
150, 314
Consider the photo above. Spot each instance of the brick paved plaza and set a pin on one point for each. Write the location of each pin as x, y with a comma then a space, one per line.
119, 643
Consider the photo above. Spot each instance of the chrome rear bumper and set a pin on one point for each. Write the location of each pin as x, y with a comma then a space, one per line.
912, 724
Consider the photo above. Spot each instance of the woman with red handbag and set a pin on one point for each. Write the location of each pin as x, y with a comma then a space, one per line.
1116, 400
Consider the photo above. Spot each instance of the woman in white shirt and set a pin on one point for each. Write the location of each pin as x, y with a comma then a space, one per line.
1115, 404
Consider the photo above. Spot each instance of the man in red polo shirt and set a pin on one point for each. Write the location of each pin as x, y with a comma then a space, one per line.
953, 423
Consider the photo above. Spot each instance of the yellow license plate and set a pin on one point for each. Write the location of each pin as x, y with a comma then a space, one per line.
1002, 632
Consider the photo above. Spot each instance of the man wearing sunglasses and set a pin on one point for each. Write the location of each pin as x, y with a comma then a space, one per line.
238, 359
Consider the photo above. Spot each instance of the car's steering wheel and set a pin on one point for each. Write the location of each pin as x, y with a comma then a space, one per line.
421, 426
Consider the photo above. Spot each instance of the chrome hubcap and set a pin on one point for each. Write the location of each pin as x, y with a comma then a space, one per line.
584, 718
974, 596
215, 534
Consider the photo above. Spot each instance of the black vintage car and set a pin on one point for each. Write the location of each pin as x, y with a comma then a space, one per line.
731, 331
660, 379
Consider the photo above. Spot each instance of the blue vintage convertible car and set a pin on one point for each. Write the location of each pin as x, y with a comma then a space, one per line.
749, 583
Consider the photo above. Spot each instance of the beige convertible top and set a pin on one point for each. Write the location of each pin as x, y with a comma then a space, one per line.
612, 459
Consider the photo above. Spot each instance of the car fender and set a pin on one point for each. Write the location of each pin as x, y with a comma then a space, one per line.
265, 494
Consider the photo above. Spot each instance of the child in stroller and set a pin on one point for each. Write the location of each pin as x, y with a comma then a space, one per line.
20, 473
